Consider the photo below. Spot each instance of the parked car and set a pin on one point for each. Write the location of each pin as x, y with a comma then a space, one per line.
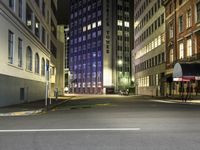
124, 92
66, 89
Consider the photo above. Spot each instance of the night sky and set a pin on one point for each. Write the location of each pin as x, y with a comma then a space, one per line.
63, 12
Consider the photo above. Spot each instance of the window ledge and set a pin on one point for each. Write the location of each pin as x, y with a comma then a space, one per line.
29, 71
37, 73
12, 65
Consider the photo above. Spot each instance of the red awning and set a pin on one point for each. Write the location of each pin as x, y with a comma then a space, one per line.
186, 72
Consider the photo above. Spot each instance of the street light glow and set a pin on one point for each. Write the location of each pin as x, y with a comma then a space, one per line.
120, 62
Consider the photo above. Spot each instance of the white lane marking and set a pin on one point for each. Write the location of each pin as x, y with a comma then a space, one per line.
70, 130
162, 101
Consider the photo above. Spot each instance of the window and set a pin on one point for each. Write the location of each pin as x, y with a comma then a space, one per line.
29, 59
188, 18
157, 80
10, 47
43, 67
156, 42
94, 25
47, 41
162, 18
152, 44
37, 63
126, 24
180, 23
44, 7
84, 28
43, 36
198, 12
189, 47
47, 68
159, 40
29, 17
171, 56
119, 23
37, 27
94, 36
171, 31
54, 49
12, 4
180, 2
89, 27
147, 78
181, 51
37, 2
20, 11
19, 52
99, 33
119, 33
99, 23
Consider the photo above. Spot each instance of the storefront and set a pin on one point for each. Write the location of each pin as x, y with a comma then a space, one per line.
186, 77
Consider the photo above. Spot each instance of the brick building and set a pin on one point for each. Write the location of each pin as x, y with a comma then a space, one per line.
182, 40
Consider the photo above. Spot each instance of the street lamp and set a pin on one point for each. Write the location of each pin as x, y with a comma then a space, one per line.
119, 74
120, 62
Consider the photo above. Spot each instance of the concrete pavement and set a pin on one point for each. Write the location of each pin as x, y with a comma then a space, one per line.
128, 123
38, 107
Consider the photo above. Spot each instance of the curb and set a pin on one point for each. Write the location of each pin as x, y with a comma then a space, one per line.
53, 106
180, 102
22, 113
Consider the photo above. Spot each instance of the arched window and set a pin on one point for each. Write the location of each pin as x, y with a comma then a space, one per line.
37, 63
43, 67
29, 58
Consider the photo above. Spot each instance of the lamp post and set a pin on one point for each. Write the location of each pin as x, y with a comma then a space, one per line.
120, 74
125, 81
47, 84
136, 88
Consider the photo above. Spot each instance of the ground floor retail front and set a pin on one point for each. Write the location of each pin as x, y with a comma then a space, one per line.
183, 80
152, 85
177, 88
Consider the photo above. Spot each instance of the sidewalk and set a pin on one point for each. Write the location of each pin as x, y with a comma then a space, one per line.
195, 100
32, 108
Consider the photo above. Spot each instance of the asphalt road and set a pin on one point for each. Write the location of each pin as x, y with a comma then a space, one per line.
106, 123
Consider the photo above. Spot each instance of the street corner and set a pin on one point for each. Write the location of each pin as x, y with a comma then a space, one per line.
22, 113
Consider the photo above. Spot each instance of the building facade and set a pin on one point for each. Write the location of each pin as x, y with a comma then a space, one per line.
60, 63
148, 55
99, 46
182, 38
66, 32
25, 52
63, 38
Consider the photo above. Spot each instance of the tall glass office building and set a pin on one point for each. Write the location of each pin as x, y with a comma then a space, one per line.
99, 46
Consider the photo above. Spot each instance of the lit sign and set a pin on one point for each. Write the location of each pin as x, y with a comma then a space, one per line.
181, 79
197, 78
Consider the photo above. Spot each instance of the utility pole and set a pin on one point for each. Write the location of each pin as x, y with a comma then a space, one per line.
47, 85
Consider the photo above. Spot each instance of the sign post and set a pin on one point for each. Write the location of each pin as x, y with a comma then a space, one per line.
46, 94
47, 85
